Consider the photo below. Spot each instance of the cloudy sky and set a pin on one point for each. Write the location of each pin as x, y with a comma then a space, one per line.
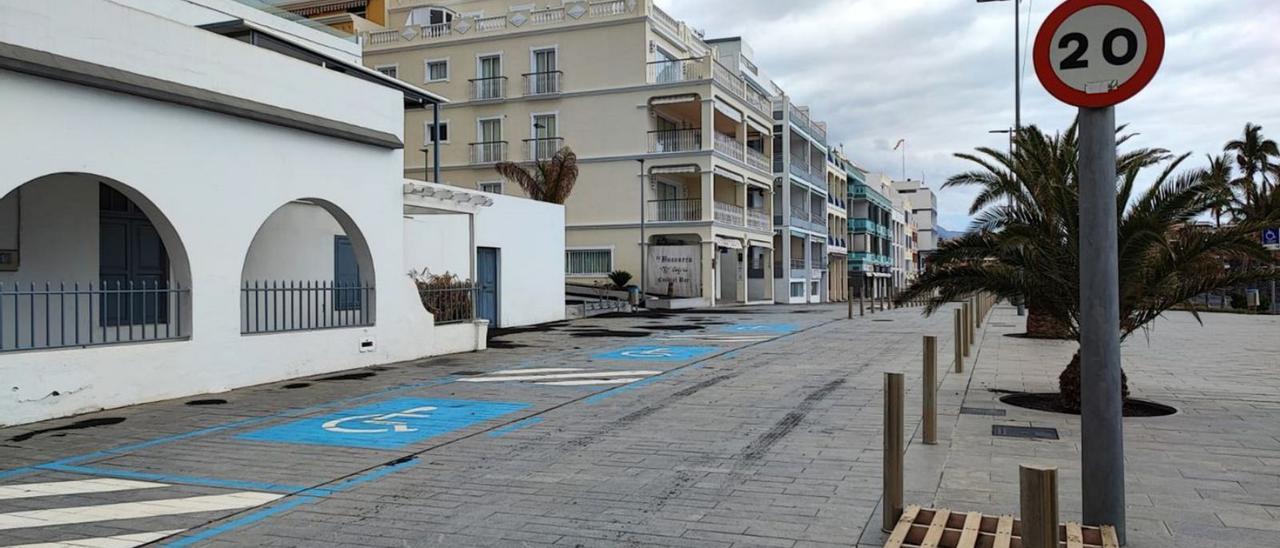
939, 73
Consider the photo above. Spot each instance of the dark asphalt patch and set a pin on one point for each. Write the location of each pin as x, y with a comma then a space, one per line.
78, 425
670, 327
603, 333
499, 344
348, 377
198, 403
296, 385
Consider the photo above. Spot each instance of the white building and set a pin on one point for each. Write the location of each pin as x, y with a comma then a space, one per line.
184, 210
924, 208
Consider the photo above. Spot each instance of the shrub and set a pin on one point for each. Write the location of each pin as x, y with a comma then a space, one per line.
446, 296
620, 279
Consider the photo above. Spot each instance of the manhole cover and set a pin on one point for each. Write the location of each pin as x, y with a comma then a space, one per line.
1024, 432
881, 320
1002, 325
982, 411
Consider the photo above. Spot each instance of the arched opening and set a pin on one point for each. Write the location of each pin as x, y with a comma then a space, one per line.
309, 268
86, 260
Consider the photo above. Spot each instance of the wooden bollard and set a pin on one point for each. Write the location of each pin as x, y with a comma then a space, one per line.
1039, 493
959, 337
850, 309
862, 310
894, 393
967, 329
930, 390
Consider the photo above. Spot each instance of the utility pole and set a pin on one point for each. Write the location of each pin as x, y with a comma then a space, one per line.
644, 241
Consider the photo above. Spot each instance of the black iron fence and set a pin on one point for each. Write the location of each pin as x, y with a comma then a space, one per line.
47, 316
455, 304
284, 306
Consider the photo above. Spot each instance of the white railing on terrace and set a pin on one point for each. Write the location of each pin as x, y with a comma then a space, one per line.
730, 147
665, 21
728, 79
678, 70
758, 218
729, 213
758, 160
674, 211
466, 25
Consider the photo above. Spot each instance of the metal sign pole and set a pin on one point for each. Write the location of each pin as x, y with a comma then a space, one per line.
1102, 435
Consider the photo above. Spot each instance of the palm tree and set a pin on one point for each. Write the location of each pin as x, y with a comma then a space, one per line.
1219, 173
1030, 245
549, 180
1253, 154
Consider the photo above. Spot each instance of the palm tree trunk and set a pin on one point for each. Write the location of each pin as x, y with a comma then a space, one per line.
1069, 385
1044, 326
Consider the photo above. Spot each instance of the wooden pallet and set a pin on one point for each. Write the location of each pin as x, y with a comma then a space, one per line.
930, 528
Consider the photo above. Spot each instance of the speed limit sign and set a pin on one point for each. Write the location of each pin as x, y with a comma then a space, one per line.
1099, 53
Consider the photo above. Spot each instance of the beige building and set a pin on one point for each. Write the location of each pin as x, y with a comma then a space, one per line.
837, 229
673, 143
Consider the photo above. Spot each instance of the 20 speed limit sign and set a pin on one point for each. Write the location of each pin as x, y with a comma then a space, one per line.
1098, 53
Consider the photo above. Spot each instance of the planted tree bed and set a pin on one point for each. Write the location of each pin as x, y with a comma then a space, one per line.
1052, 402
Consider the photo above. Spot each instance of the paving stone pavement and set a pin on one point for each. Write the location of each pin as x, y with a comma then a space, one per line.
734, 427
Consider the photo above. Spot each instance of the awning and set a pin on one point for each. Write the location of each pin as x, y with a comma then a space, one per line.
730, 175
674, 99
671, 170
729, 243
727, 110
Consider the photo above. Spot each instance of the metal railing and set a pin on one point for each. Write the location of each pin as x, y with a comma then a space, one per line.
798, 264
543, 83
758, 219
276, 306
75, 315
488, 152
675, 140
729, 214
488, 89
543, 148
758, 160
675, 211
451, 304
677, 70
730, 147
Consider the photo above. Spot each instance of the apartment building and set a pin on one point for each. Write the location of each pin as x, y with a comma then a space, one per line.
800, 202
870, 232
837, 227
674, 135
924, 210
345, 16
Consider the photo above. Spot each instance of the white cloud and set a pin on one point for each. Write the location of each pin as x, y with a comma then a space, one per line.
939, 74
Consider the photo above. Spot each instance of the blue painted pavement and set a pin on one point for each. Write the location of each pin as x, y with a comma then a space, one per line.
767, 328
390, 424
657, 353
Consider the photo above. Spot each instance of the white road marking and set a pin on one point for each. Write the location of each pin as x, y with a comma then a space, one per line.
78, 487
564, 376
593, 383
118, 541
534, 371
133, 510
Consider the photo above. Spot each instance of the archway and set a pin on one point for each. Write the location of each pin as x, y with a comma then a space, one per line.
309, 268
88, 260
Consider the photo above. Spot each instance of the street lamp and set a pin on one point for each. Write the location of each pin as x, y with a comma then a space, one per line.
644, 247
1017, 60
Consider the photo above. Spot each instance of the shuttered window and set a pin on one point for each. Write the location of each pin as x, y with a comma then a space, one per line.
588, 262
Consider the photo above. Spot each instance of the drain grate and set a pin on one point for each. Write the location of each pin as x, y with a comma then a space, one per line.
1001, 325
1024, 432
982, 411
881, 320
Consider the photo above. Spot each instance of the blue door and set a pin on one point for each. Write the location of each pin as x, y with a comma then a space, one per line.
489, 284
346, 275
133, 266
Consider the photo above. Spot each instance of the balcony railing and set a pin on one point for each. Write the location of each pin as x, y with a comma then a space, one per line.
862, 225
285, 306
468, 26
798, 264
678, 70
543, 148
758, 160
601, 8
675, 140
543, 83
488, 152
675, 211
758, 219
664, 21
491, 24
546, 16
74, 315
730, 147
489, 89
729, 214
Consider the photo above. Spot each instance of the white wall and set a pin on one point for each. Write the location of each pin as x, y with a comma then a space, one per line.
437, 244
294, 244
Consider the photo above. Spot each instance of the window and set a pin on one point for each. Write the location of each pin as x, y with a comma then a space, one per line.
797, 289
546, 133
491, 188
389, 70
588, 262
544, 78
490, 130
443, 130
437, 70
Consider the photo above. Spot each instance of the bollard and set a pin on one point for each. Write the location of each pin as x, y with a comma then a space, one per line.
1039, 493
862, 310
894, 390
959, 337
967, 324
850, 309
930, 390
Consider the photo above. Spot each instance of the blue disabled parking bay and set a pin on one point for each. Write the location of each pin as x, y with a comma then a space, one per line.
770, 328
390, 424
657, 353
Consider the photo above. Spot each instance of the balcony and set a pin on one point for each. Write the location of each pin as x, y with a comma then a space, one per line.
489, 89
862, 226
543, 148
675, 140
804, 122
515, 21
489, 152
543, 83
729, 214
678, 70
759, 220
730, 147
674, 211
758, 160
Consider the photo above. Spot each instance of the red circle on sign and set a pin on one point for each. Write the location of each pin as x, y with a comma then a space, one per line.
1146, 72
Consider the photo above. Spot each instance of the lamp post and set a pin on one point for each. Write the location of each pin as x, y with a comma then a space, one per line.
644, 241
1017, 61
